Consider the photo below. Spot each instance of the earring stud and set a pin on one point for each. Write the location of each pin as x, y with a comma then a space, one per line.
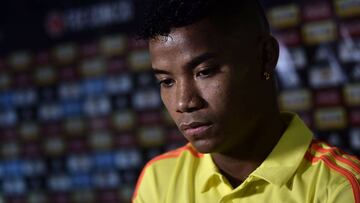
267, 76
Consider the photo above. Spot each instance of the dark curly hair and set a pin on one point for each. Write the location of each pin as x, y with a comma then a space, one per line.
163, 15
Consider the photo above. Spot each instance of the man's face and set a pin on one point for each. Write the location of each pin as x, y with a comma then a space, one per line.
210, 86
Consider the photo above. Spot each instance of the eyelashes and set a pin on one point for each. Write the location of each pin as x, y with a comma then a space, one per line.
167, 83
203, 73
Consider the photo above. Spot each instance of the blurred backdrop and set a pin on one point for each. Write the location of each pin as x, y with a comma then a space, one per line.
80, 112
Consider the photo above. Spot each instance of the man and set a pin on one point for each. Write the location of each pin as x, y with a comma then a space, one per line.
215, 63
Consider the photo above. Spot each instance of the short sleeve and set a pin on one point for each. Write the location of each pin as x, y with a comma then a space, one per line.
345, 193
146, 189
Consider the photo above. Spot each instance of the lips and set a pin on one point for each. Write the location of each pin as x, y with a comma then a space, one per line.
195, 129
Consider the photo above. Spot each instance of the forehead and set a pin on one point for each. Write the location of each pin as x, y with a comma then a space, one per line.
184, 43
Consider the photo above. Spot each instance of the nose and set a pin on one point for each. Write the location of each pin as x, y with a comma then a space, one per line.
188, 97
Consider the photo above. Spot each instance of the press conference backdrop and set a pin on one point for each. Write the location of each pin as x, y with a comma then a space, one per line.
80, 112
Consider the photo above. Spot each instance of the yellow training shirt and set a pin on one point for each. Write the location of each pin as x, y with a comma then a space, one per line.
299, 169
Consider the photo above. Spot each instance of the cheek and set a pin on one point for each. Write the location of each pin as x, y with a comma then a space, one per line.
166, 99
216, 94
169, 103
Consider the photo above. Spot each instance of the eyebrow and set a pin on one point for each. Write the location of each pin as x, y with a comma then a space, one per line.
191, 64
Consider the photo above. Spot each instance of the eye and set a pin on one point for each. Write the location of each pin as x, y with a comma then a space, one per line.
207, 72
166, 83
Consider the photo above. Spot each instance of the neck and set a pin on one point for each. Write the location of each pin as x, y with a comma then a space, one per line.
237, 165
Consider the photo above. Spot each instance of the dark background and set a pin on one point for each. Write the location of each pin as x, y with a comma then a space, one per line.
80, 112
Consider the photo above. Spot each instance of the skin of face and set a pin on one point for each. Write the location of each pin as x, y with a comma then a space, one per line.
212, 85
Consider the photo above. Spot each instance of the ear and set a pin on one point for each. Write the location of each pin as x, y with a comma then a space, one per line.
269, 54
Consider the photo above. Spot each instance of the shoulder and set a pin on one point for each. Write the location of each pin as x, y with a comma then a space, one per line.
159, 170
182, 154
333, 158
338, 169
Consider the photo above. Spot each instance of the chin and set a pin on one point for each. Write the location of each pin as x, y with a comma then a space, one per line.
204, 146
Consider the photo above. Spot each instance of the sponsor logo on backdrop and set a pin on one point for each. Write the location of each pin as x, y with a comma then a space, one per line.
70, 91
113, 45
103, 160
29, 130
74, 126
20, 60
8, 118
128, 159
84, 195
352, 94
146, 99
14, 186
299, 57
330, 118
328, 98
10, 150
324, 77
286, 70
34, 167
91, 17
121, 84
65, 53
284, 16
93, 67
347, 8
7, 100
349, 51
123, 120
319, 32
106, 180
101, 140
151, 136
97, 106
93, 87
139, 60
81, 180
59, 183
45, 75
71, 108
316, 11
54, 146
298, 100
25, 97
50, 112
5, 80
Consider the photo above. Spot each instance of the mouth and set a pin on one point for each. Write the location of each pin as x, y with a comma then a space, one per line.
195, 129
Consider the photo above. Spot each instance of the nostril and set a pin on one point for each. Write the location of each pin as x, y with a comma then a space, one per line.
191, 105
